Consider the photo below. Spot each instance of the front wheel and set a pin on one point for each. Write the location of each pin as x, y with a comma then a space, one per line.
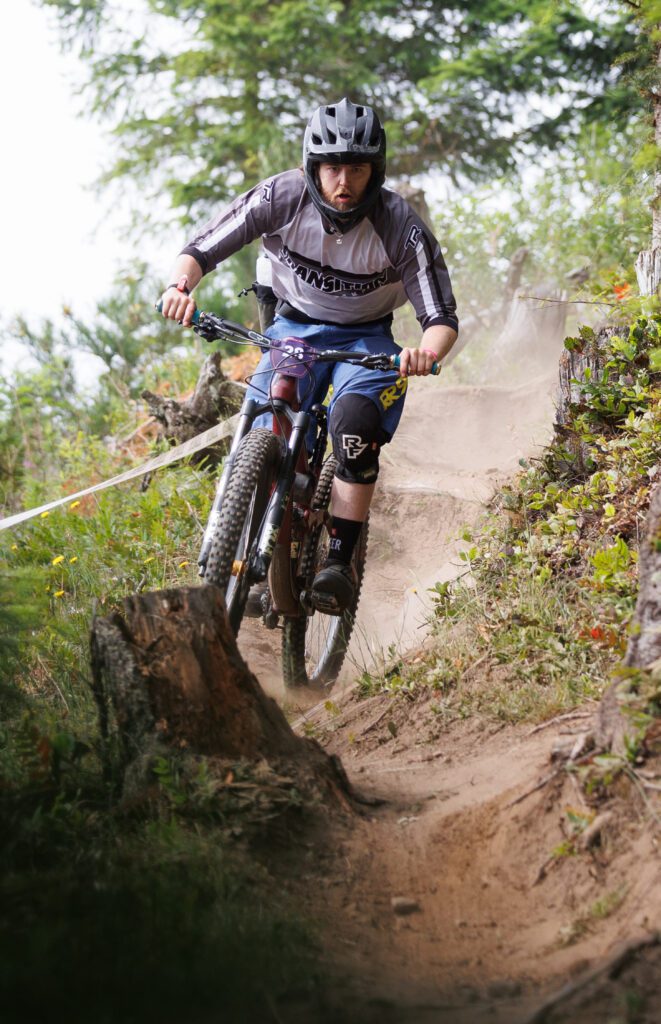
246, 500
314, 646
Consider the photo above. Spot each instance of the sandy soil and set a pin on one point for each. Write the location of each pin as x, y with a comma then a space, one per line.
496, 923
490, 932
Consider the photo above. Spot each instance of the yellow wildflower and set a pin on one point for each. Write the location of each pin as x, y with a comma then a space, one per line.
150, 559
74, 559
14, 547
56, 561
58, 593
44, 514
182, 565
74, 504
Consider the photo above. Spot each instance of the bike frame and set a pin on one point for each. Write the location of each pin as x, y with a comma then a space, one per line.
276, 551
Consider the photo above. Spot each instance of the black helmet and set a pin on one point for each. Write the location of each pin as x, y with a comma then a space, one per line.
343, 133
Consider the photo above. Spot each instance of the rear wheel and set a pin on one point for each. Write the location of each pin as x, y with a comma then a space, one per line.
314, 646
248, 492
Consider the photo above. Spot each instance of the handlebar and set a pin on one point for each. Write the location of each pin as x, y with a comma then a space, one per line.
212, 327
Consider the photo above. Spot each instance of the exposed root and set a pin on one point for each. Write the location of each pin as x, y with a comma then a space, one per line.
610, 969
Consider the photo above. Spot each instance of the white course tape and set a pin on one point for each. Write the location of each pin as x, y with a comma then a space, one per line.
196, 444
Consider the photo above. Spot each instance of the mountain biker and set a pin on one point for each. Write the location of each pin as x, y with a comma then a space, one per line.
345, 252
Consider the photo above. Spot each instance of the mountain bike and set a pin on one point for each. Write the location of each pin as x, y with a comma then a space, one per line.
269, 519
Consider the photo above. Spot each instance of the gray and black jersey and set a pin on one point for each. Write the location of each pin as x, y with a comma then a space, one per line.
388, 257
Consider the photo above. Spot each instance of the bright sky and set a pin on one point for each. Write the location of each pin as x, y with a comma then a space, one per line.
56, 246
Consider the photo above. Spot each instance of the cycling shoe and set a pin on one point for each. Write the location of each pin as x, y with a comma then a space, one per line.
334, 588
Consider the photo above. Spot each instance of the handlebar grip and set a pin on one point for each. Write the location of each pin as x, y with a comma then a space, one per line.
435, 369
159, 309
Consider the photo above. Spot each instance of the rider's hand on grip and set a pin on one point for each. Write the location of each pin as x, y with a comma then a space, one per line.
435, 368
176, 305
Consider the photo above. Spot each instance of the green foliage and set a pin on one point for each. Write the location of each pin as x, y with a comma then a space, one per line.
612, 565
93, 553
462, 87
126, 339
112, 912
21, 613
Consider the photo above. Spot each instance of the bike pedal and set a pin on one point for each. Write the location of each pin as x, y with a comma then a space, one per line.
325, 603
257, 601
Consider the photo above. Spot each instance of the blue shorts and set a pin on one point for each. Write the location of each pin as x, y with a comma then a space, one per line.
384, 387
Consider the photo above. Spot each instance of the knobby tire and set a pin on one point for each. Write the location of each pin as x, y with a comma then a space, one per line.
314, 646
250, 485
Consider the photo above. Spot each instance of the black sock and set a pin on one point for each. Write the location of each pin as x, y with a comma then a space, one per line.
343, 536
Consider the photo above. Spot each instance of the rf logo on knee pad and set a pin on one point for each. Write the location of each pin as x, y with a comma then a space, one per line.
355, 428
353, 445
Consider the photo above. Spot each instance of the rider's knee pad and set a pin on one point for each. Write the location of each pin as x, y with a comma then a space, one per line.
357, 435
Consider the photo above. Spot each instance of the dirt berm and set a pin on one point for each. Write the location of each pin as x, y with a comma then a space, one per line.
443, 900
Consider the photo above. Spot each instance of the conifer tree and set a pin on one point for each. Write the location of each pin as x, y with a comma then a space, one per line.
207, 96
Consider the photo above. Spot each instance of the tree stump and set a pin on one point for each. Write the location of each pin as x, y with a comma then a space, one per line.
644, 646
215, 398
591, 358
170, 669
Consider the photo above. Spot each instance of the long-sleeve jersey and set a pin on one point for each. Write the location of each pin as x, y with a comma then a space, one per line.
388, 257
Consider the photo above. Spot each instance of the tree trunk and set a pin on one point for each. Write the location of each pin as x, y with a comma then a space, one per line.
215, 398
644, 646
573, 366
648, 264
648, 271
170, 670
416, 198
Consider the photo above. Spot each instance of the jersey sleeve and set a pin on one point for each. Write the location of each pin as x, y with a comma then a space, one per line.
418, 261
267, 206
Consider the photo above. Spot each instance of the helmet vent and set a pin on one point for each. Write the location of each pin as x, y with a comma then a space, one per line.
331, 111
360, 111
332, 137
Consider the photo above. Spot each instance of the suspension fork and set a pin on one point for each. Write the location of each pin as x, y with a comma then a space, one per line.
296, 425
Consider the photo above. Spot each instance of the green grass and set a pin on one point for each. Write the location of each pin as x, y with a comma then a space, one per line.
150, 908
158, 911
156, 923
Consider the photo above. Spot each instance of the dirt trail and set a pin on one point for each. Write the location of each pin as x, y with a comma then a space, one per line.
491, 930
454, 445
497, 921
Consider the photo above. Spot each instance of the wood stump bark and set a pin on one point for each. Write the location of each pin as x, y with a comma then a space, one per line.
591, 358
170, 673
215, 398
648, 271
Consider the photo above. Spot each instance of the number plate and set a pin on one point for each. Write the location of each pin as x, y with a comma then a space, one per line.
292, 356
